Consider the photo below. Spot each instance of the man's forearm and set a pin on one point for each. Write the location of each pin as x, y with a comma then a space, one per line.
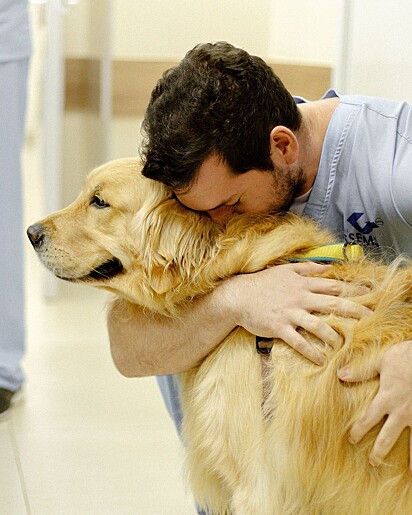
144, 343
272, 303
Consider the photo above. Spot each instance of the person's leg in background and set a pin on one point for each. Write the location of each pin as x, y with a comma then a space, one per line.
13, 86
15, 48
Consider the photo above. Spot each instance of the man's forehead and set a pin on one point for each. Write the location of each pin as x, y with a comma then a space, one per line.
203, 204
207, 195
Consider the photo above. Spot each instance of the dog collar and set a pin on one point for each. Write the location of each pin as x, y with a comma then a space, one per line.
334, 253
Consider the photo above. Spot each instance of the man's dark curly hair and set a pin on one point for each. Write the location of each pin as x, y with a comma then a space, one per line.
218, 101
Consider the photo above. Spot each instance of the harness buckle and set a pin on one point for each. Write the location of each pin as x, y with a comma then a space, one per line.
263, 350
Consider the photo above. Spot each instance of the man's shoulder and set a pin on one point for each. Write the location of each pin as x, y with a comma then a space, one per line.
377, 106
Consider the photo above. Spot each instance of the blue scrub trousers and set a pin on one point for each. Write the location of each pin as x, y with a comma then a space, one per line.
13, 89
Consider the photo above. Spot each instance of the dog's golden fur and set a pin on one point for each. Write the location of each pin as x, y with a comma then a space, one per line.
250, 453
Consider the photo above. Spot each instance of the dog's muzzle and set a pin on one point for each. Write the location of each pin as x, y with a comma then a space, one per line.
107, 270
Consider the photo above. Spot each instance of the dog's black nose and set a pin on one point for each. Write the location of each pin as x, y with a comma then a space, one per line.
36, 234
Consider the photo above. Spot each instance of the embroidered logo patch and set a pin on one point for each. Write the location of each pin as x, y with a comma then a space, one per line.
363, 229
368, 226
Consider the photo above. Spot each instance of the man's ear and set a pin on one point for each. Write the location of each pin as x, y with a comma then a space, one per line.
284, 146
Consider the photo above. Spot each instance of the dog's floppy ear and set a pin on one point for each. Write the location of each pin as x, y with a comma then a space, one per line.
175, 241
159, 225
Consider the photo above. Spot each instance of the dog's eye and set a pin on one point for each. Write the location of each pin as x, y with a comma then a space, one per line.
98, 202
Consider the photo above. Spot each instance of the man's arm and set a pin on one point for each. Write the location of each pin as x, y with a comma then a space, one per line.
270, 303
145, 343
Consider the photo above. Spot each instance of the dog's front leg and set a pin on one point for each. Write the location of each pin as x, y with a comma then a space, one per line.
224, 429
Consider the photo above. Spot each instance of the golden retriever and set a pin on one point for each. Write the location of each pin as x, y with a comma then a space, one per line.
255, 446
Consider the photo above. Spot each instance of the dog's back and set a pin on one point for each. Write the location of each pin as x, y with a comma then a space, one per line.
283, 448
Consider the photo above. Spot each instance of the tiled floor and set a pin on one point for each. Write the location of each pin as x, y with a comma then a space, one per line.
84, 440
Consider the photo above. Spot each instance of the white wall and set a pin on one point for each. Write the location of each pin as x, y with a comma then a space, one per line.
167, 29
294, 31
304, 32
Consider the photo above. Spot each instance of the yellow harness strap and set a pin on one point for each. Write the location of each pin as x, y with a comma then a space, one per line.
336, 252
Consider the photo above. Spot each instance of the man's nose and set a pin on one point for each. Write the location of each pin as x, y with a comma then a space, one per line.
221, 220
221, 215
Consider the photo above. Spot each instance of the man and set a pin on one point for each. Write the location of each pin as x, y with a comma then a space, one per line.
227, 137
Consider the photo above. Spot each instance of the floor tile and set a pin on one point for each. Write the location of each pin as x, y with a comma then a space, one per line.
12, 500
106, 472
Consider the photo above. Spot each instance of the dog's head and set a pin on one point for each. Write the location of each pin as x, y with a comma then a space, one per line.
124, 233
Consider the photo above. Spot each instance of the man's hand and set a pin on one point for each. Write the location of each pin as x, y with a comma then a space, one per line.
274, 303
394, 399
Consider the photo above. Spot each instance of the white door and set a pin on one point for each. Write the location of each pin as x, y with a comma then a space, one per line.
375, 56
